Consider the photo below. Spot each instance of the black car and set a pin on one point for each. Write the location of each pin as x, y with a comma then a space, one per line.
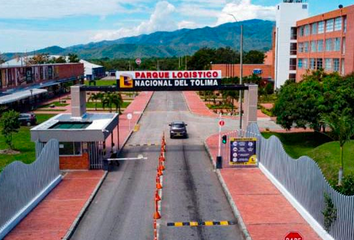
178, 129
27, 119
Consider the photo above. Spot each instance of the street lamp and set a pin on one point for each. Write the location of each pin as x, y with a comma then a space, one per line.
241, 70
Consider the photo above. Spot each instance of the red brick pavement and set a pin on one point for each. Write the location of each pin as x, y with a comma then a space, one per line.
197, 106
52, 218
265, 211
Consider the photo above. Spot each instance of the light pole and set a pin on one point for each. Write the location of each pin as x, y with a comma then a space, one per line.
241, 71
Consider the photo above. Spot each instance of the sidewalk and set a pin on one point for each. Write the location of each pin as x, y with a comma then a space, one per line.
265, 211
197, 106
53, 217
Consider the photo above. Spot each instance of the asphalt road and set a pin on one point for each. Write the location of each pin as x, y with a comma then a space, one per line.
124, 206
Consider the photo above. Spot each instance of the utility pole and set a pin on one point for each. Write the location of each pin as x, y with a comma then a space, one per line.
241, 72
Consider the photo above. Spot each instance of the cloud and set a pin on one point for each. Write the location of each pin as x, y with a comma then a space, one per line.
46, 9
245, 10
160, 20
187, 24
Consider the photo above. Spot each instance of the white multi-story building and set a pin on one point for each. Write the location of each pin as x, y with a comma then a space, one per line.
287, 14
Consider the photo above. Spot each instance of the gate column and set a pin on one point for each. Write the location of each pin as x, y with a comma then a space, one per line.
250, 109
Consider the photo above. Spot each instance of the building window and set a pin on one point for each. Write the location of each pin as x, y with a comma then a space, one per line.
300, 63
301, 31
329, 25
307, 30
293, 33
306, 47
304, 6
69, 148
312, 63
338, 24
321, 27
292, 64
320, 46
314, 28
345, 25
328, 64
336, 65
301, 47
329, 47
313, 46
337, 44
319, 64
343, 44
305, 64
292, 76
293, 48
343, 66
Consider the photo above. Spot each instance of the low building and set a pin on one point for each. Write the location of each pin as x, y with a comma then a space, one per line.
82, 136
20, 85
93, 71
265, 70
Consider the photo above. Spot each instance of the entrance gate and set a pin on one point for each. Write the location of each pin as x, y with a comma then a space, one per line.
132, 81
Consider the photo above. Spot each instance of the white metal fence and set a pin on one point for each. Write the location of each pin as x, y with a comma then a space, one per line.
22, 186
304, 180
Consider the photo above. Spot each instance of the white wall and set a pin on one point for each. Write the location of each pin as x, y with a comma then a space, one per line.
286, 17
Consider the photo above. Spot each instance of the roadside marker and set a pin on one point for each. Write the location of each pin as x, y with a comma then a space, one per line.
198, 224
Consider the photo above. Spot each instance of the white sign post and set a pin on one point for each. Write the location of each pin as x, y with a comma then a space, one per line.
129, 117
219, 158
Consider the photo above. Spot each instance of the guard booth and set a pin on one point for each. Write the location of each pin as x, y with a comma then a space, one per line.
82, 136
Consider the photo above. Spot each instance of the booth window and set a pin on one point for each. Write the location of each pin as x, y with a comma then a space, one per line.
70, 149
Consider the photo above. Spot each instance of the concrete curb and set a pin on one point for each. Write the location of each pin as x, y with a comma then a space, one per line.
76, 222
74, 225
132, 131
234, 208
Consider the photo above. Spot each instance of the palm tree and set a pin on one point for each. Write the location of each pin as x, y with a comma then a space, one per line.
111, 99
342, 128
93, 97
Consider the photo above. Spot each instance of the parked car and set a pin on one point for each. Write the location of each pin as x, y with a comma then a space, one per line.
27, 119
178, 129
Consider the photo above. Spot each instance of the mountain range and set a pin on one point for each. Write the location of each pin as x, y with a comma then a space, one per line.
257, 35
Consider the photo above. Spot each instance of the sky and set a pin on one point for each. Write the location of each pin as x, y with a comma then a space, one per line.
27, 25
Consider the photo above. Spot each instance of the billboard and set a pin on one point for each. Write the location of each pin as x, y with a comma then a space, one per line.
168, 80
243, 152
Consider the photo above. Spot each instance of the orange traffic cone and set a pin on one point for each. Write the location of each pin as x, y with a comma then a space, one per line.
157, 196
159, 171
158, 184
162, 167
157, 215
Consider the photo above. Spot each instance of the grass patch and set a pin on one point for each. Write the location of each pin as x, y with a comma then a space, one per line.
327, 157
22, 143
102, 83
223, 106
320, 148
299, 144
99, 105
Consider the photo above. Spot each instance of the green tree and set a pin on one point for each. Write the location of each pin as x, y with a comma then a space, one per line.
73, 58
342, 129
60, 59
254, 57
111, 99
201, 59
9, 124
